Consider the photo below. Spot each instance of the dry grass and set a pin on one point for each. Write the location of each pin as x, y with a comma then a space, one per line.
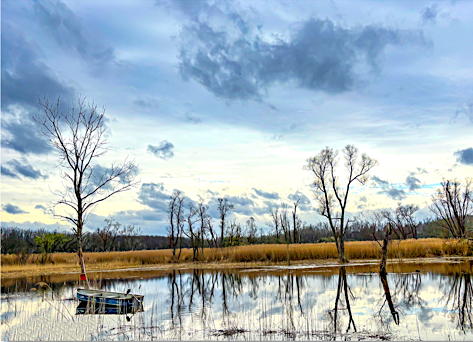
259, 253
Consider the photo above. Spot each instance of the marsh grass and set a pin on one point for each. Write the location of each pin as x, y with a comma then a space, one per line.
421, 248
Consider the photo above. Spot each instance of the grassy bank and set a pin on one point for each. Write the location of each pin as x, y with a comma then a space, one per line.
277, 253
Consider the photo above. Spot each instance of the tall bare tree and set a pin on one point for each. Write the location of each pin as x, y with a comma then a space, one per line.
176, 222
295, 221
203, 217
331, 193
224, 206
275, 217
78, 136
453, 206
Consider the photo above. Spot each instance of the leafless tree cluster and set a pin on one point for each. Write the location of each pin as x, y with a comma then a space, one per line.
453, 206
190, 220
402, 221
332, 193
78, 136
287, 225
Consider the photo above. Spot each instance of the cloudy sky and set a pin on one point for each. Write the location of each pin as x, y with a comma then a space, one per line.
229, 98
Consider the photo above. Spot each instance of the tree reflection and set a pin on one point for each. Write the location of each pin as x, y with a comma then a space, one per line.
408, 288
388, 299
343, 291
459, 297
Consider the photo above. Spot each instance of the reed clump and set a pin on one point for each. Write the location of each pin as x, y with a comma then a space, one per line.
420, 248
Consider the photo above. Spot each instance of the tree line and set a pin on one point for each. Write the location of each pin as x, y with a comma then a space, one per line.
78, 136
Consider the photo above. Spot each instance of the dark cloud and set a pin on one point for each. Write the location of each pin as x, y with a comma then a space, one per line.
465, 156
25, 78
154, 196
8, 173
163, 151
15, 168
13, 209
233, 61
61, 23
388, 189
40, 206
304, 201
413, 182
24, 136
268, 195
429, 14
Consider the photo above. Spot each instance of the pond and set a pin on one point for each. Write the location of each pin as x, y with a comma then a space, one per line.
415, 301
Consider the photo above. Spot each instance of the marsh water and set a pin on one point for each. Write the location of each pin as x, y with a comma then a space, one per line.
429, 300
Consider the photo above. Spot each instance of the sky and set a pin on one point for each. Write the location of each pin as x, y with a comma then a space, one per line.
230, 99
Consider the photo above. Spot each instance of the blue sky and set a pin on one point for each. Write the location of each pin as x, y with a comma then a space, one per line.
229, 98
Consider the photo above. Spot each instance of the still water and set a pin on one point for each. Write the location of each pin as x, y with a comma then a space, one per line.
431, 301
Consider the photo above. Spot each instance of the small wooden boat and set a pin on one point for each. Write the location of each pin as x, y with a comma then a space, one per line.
109, 298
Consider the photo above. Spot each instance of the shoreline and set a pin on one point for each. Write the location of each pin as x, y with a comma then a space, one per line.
30, 271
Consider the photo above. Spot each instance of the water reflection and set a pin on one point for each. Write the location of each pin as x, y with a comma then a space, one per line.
89, 308
343, 293
459, 298
287, 304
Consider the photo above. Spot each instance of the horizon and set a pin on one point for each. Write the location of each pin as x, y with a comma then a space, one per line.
229, 99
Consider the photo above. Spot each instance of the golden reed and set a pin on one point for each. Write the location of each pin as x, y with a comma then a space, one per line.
420, 248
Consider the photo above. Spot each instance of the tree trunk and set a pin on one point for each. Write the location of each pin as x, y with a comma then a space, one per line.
341, 251
80, 254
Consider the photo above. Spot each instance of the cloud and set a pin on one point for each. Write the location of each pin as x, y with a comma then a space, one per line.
192, 119
268, 195
61, 23
40, 207
99, 173
14, 168
429, 14
25, 78
304, 201
25, 137
465, 156
388, 189
8, 173
146, 102
13, 209
234, 61
163, 151
154, 196
413, 182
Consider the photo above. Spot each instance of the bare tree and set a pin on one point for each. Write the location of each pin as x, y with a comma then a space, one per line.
453, 206
78, 136
191, 234
285, 223
295, 221
203, 217
329, 191
176, 222
275, 217
108, 234
251, 230
402, 220
223, 208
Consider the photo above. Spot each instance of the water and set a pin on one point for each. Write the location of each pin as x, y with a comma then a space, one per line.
416, 301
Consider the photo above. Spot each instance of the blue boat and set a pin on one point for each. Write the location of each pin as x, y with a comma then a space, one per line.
109, 298
88, 308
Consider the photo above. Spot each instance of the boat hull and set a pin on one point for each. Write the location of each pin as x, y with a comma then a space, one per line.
108, 298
